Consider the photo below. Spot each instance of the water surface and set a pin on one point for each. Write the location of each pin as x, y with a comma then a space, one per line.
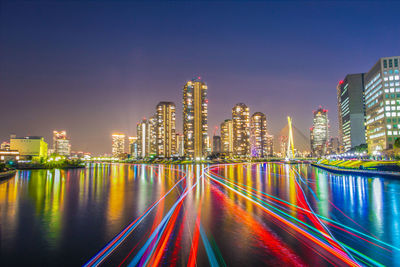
238, 215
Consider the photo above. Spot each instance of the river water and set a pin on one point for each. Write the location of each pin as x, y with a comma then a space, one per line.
237, 215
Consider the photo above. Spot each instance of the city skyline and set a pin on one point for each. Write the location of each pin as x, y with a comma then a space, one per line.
66, 84
199, 133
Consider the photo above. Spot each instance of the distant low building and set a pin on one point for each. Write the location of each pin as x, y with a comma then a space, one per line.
9, 155
5, 146
30, 147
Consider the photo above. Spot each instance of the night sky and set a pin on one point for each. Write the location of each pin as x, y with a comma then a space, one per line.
96, 68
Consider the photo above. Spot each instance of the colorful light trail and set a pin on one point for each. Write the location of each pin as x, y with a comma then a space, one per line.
181, 213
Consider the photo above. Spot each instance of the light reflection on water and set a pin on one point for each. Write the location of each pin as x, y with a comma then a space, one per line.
65, 217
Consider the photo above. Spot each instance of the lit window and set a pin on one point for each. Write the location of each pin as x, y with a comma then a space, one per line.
387, 108
393, 114
387, 114
389, 126
389, 132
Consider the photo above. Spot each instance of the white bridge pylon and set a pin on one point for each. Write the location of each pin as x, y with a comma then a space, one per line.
290, 144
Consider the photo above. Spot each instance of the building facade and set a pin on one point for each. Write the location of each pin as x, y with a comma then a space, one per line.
133, 147
61, 143
351, 111
241, 130
195, 112
166, 136
270, 145
153, 135
30, 147
216, 144
5, 146
227, 137
143, 138
334, 146
382, 104
118, 145
180, 152
258, 135
319, 133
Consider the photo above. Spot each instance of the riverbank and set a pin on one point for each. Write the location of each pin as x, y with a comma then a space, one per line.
215, 161
359, 167
7, 174
38, 166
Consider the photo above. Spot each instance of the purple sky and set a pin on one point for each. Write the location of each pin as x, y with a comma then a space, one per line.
97, 68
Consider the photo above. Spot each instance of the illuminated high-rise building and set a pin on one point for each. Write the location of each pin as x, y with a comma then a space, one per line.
180, 151
319, 133
283, 142
351, 112
118, 145
382, 104
133, 146
61, 143
166, 137
153, 135
216, 144
241, 130
144, 138
258, 135
270, 145
195, 112
227, 137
